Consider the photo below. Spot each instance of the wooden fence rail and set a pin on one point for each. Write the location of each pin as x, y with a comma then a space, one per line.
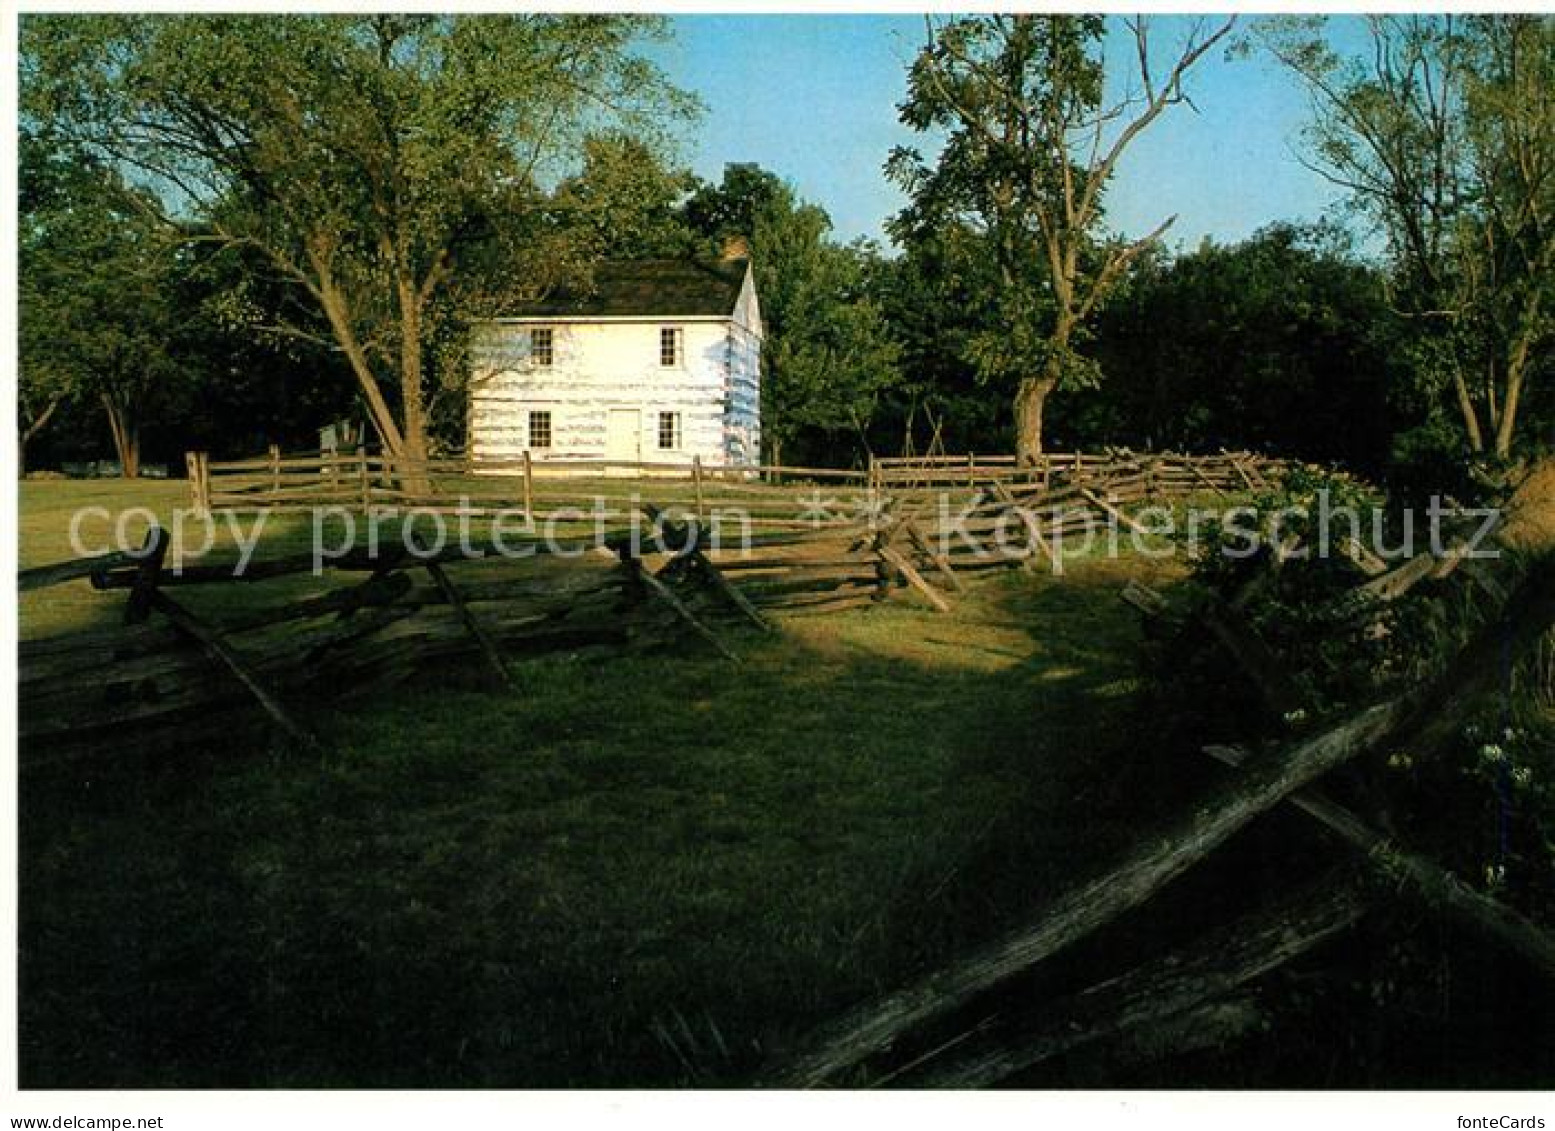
542, 488
624, 586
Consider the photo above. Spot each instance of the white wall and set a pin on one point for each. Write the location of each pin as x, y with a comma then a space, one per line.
598, 366
742, 408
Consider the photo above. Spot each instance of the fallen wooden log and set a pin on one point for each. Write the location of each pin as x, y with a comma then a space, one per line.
1148, 602
1158, 992
873, 1027
1438, 888
1424, 717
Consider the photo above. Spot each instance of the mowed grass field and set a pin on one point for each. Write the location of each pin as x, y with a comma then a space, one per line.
632, 871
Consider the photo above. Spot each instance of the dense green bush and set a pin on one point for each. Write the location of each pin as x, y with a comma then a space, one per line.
1483, 807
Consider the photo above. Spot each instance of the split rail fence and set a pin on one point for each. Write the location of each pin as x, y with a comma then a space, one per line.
948, 1030
173, 673
539, 487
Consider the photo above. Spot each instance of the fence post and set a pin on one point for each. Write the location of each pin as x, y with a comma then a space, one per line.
198, 466
529, 486
361, 477
696, 476
971, 471
192, 473
275, 468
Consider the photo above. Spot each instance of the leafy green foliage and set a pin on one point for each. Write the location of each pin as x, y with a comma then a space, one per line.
100, 324
365, 157
1444, 136
1018, 102
626, 202
978, 82
1483, 806
1283, 343
829, 355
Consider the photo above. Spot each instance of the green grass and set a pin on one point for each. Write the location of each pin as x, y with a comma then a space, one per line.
48, 509
635, 871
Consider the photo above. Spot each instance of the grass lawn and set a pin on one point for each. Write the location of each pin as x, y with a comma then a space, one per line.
635, 871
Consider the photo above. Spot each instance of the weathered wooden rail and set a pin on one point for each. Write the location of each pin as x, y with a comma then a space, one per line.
363, 480
944, 1032
175, 673
773, 495
172, 668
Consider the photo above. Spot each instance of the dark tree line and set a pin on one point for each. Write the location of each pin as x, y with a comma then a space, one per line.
265, 230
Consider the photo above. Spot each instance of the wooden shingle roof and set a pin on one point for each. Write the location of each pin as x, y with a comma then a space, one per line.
647, 288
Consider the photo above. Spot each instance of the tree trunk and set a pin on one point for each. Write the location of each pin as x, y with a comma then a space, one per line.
1030, 398
1032, 393
412, 395
1516, 373
1466, 407
39, 423
126, 437
339, 317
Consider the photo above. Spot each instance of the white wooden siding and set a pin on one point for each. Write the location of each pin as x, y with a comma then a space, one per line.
602, 364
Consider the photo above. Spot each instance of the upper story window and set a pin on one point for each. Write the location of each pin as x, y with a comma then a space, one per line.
670, 346
542, 346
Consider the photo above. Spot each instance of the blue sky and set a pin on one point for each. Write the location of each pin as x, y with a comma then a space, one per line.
813, 98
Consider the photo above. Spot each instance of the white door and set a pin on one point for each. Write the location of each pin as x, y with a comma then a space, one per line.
623, 438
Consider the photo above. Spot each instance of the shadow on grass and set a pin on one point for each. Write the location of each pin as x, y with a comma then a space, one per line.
642, 871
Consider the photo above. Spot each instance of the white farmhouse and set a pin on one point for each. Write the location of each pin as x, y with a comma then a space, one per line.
659, 361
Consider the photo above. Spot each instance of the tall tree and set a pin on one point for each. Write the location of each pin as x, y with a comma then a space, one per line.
1031, 143
99, 321
45, 379
828, 354
940, 295
626, 202
363, 156
1282, 342
1443, 134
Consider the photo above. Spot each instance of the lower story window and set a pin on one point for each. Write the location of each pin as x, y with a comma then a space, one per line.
669, 431
540, 429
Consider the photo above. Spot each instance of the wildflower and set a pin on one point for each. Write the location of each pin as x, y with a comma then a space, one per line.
1522, 776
